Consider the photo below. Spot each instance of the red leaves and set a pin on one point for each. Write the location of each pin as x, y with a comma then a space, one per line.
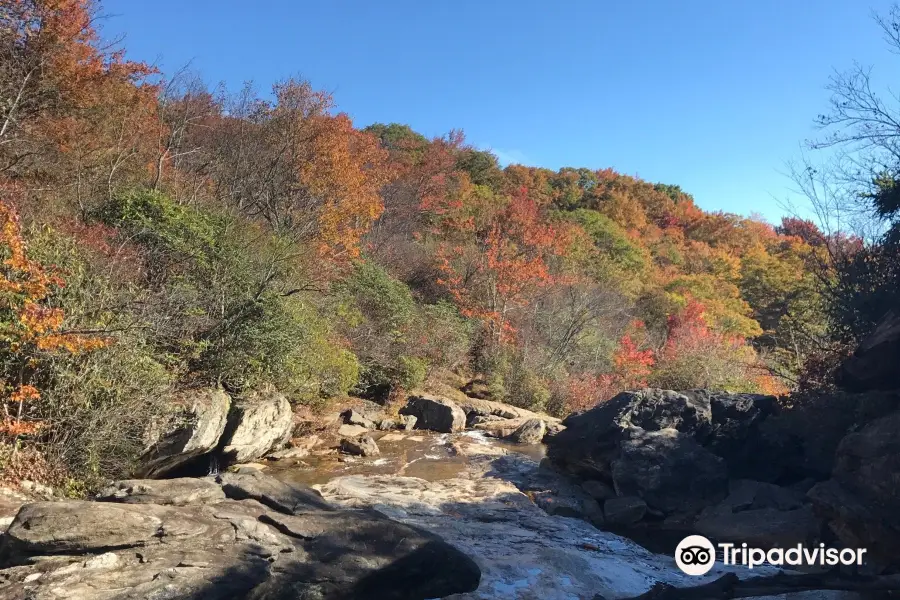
509, 245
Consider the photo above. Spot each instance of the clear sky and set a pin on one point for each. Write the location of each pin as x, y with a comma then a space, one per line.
713, 95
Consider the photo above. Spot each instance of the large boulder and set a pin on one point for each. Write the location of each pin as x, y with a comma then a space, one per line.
230, 549
531, 431
873, 365
799, 440
258, 422
736, 419
861, 501
591, 440
192, 432
361, 446
435, 414
669, 470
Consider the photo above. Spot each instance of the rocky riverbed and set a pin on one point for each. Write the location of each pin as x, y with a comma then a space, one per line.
463, 500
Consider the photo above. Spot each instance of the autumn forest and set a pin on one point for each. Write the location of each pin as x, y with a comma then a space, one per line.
160, 234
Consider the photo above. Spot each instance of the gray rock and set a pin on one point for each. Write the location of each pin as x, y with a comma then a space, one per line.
231, 549
873, 365
353, 417
351, 430
361, 446
598, 490
530, 432
736, 419
288, 453
271, 492
593, 512
75, 526
386, 425
259, 422
193, 432
763, 527
861, 501
177, 492
559, 505
435, 414
868, 462
406, 422
670, 471
624, 510
590, 440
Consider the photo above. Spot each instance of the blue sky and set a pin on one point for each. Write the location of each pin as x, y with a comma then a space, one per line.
713, 95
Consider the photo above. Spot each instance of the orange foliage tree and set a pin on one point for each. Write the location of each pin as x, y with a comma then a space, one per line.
30, 327
495, 255
71, 109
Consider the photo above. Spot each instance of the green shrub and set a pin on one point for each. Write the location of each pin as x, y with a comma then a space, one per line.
97, 405
228, 304
397, 340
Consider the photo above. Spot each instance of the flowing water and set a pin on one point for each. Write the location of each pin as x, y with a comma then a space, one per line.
484, 496
422, 454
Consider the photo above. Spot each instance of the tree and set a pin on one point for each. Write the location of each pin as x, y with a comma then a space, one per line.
71, 111
497, 254
31, 328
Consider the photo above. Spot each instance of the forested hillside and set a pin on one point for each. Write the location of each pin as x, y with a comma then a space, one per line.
159, 234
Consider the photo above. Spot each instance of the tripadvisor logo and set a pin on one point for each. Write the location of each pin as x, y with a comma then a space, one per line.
696, 555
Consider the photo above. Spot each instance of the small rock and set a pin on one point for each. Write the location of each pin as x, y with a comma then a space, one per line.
531, 431
288, 453
386, 425
351, 430
352, 417
407, 422
363, 446
598, 490
392, 437
560, 506
624, 510
37, 488
248, 467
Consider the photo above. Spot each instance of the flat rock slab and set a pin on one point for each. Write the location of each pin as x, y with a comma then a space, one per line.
229, 549
177, 492
271, 492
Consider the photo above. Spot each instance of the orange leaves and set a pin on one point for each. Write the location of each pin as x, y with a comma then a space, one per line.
494, 255
347, 170
29, 326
